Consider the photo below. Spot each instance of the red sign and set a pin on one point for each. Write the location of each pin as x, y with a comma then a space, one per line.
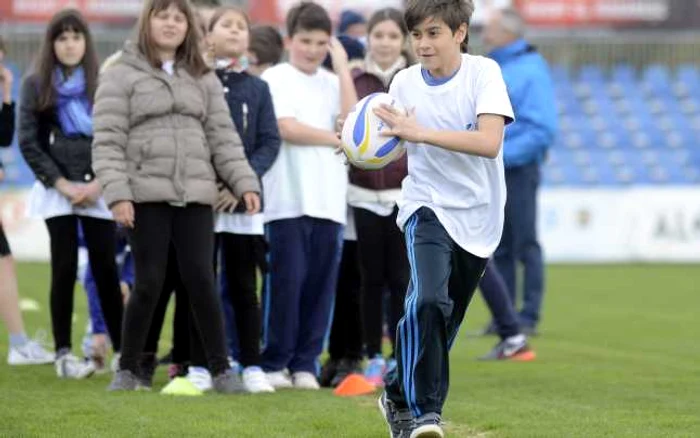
94, 10
593, 12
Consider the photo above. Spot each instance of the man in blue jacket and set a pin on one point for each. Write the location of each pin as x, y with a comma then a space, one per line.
526, 143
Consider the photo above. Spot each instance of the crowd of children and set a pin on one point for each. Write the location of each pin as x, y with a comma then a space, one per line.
195, 153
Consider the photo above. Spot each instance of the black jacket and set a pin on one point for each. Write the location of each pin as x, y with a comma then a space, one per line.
250, 103
7, 125
48, 152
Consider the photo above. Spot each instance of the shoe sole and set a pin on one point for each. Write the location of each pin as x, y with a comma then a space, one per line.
525, 356
428, 431
383, 412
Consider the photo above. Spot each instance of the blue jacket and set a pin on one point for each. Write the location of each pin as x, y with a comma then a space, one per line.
250, 103
531, 93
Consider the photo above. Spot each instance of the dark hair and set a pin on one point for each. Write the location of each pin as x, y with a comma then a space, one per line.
308, 16
266, 43
453, 13
220, 12
188, 54
2, 44
205, 3
67, 20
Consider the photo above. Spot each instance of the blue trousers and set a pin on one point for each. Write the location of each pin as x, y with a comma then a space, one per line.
519, 244
299, 290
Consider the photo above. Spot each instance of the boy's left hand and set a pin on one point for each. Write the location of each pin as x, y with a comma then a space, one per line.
400, 124
339, 57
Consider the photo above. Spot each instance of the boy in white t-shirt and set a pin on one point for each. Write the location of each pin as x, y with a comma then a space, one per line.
305, 205
452, 202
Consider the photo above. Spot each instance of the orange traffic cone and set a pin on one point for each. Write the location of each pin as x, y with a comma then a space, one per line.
353, 385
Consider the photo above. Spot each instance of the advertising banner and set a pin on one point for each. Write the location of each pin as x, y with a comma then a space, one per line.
41, 11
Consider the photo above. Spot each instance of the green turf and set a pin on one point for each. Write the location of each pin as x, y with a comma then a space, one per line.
619, 356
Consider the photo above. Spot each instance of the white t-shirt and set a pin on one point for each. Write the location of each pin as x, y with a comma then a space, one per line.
305, 180
466, 192
239, 223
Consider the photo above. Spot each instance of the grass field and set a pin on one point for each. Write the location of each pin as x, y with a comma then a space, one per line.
619, 357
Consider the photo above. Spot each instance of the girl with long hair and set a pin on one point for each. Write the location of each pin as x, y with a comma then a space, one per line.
163, 135
55, 137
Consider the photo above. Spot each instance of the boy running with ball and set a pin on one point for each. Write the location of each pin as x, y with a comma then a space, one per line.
452, 206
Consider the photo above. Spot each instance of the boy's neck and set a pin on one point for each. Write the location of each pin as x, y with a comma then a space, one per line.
304, 70
447, 70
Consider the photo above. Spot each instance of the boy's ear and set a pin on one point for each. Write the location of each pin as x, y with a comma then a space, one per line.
461, 33
287, 42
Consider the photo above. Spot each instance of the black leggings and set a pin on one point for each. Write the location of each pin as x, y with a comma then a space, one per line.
100, 236
4, 246
241, 255
383, 265
181, 320
191, 231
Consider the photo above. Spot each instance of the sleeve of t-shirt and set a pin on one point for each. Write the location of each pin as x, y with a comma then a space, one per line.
491, 92
280, 90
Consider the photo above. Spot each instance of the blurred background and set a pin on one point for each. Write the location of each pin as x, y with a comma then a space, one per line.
622, 182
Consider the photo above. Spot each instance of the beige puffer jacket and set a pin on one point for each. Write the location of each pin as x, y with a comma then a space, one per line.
156, 136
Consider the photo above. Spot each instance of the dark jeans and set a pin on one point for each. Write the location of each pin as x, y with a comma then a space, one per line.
191, 231
519, 243
383, 264
495, 293
443, 280
101, 240
299, 291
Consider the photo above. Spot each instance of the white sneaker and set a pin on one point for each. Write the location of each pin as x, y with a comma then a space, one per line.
70, 367
305, 380
255, 381
115, 362
279, 380
200, 378
31, 353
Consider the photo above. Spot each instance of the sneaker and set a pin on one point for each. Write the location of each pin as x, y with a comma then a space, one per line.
147, 365
255, 381
400, 421
31, 353
69, 366
228, 383
374, 373
428, 426
279, 379
345, 368
514, 348
305, 380
200, 378
234, 365
114, 366
328, 372
124, 380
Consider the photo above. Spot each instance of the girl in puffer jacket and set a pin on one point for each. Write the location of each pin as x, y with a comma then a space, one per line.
163, 136
55, 136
